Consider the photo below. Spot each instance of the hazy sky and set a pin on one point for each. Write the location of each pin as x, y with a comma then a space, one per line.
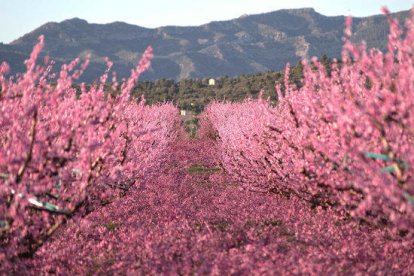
18, 17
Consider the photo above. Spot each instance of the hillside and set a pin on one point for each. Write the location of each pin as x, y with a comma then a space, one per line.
245, 45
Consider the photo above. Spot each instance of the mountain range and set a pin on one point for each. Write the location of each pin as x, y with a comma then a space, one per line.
248, 44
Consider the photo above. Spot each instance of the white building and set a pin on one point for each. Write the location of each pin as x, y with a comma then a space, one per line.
211, 82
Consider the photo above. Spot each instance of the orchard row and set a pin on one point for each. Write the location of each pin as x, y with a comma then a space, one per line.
344, 140
63, 154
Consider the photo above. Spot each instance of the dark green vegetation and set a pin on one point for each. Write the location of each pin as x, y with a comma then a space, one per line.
193, 95
245, 45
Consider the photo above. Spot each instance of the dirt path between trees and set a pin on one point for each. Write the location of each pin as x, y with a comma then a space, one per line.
192, 219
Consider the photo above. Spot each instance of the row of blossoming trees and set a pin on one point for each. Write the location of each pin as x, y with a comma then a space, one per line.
345, 139
62, 153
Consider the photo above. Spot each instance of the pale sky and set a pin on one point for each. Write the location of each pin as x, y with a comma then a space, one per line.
18, 17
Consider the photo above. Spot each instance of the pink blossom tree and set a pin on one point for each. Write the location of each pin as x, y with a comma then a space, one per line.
344, 139
62, 154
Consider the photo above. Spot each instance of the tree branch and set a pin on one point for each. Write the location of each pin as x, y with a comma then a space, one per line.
30, 152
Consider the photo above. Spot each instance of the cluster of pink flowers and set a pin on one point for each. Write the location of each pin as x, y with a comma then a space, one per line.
63, 153
344, 139
238, 128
